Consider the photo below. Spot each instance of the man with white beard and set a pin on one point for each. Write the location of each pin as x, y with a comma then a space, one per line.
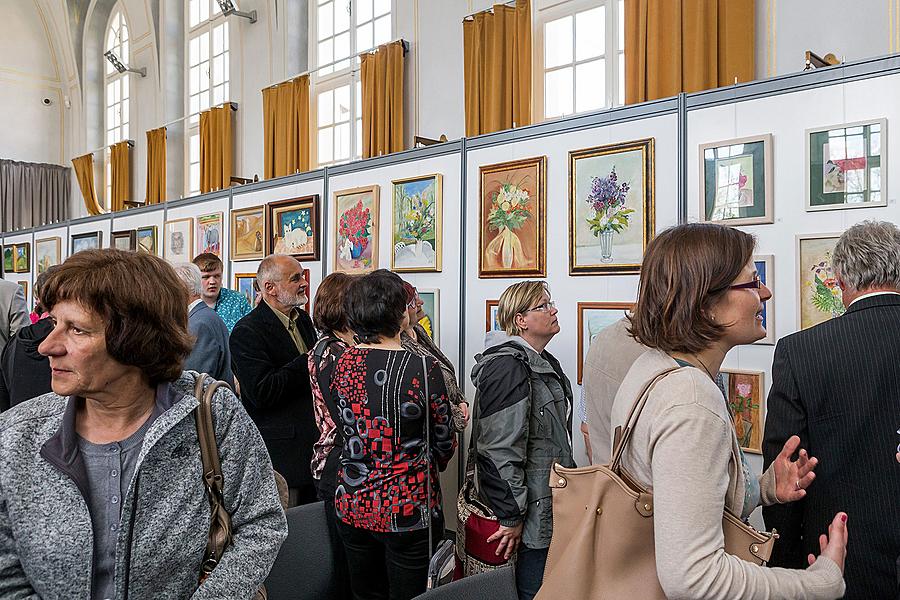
269, 356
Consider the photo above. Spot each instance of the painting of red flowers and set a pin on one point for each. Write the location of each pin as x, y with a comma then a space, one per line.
356, 230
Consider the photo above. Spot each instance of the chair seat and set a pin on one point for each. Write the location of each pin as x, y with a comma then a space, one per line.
304, 569
499, 584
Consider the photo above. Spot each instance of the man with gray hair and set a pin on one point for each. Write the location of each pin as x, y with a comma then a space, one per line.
269, 347
211, 353
837, 386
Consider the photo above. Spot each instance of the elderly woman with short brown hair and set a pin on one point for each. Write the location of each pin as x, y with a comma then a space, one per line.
700, 296
101, 487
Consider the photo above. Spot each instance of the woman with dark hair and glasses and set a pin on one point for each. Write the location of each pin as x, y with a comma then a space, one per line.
394, 419
522, 425
683, 448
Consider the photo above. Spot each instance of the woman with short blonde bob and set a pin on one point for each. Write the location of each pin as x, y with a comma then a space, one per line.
700, 296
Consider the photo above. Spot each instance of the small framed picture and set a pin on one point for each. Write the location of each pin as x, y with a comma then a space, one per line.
178, 240
745, 393
594, 317
416, 224
24, 286
819, 297
146, 239
294, 227
491, 307
764, 265
356, 230
736, 181
248, 233
9, 258
87, 241
124, 240
47, 253
23, 257
432, 308
209, 234
243, 283
847, 166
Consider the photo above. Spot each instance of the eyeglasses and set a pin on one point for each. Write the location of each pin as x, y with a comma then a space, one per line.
545, 307
411, 303
754, 285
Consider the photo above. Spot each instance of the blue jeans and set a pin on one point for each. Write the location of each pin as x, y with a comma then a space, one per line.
530, 564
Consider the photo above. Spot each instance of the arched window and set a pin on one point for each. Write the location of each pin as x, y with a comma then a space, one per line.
116, 116
208, 75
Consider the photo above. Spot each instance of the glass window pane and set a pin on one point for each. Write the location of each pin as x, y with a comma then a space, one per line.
590, 86
125, 115
111, 136
124, 132
558, 93
195, 179
325, 13
342, 46
194, 152
363, 11
123, 52
116, 92
620, 17
342, 142
326, 108
194, 51
217, 40
204, 76
358, 142
204, 100
621, 78
358, 99
194, 12
124, 81
342, 104
226, 91
194, 105
110, 94
382, 30
326, 149
382, 7
225, 35
203, 11
226, 68
341, 16
110, 116
344, 64
218, 70
590, 33
218, 96
558, 42
325, 55
364, 37
204, 46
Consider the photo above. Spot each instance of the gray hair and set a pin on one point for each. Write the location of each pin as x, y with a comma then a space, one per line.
189, 274
868, 256
269, 269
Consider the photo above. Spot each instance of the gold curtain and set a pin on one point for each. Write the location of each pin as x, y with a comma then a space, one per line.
156, 166
286, 127
381, 75
84, 172
674, 46
497, 66
120, 175
216, 148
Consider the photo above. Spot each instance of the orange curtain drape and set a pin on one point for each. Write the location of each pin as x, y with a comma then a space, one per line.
120, 175
84, 172
381, 76
286, 128
674, 46
216, 148
497, 66
156, 166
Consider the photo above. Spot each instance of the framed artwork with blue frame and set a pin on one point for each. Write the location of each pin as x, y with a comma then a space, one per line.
763, 264
293, 227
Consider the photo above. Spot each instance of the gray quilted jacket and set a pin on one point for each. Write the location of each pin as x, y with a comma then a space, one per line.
46, 540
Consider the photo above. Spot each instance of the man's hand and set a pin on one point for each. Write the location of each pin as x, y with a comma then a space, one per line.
509, 537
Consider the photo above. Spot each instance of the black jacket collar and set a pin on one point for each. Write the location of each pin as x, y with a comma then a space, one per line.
874, 301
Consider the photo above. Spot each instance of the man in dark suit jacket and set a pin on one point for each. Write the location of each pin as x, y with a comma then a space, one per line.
837, 386
268, 350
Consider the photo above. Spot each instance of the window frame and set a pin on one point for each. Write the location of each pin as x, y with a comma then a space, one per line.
121, 80
613, 95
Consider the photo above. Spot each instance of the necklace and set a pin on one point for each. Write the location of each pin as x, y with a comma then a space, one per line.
705, 368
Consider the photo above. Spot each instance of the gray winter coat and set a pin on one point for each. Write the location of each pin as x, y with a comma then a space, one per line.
522, 425
46, 538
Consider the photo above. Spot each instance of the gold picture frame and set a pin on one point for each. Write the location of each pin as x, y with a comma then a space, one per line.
356, 251
745, 393
417, 259
178, 250
615, 310
47, 253
249, 233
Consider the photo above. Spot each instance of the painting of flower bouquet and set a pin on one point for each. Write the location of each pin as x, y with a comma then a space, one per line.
512, 231
416, 226
744, 390
820, 296
356, 230
611, 207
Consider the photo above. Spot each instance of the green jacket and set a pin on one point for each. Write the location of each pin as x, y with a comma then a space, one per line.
522, 425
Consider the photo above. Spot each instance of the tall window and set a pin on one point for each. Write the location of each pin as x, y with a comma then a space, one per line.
343, 29
116, 116
207, 76
581, 57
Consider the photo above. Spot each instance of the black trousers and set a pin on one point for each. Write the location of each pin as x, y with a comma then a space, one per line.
387, 566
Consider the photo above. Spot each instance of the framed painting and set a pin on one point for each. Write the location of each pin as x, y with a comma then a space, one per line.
294, 227
594, 317
47, 253
9, 258
124, 240
744, 392
146, 239
356, 230
512, 226
87, 241
491, 307
23, 257
243, 283
209, 234
24, 286
847, 166
763, 264
432, 308
248, 233
820, 297
417, 214
178, 240
736, 179
611, 207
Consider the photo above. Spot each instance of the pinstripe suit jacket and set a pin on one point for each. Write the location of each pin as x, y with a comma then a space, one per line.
837, 386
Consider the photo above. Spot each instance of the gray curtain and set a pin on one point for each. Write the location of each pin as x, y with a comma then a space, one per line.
32, 194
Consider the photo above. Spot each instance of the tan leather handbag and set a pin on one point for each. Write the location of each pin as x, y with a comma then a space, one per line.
602, 545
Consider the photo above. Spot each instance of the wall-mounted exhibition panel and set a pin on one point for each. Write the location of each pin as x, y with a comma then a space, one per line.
90, 232
194, 227
18, 267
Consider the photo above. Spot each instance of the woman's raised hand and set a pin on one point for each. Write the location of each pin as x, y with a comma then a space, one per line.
792, 477
834, 545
